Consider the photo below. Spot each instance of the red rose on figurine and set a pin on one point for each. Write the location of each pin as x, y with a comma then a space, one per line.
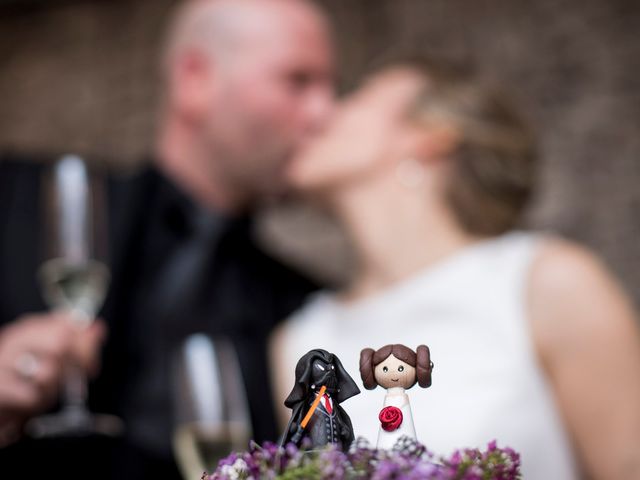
390, 418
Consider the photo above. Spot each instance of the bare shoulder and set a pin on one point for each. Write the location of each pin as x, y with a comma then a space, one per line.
565, 265
573, 295
586, 335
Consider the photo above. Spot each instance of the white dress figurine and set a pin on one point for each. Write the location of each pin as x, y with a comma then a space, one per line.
396, 368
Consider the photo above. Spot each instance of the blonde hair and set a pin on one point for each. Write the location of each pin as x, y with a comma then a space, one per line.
493, 161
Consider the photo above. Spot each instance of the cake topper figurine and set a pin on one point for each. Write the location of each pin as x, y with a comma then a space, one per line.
396, 368
322, 384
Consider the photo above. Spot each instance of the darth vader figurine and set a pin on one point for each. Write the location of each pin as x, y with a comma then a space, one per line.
322, 384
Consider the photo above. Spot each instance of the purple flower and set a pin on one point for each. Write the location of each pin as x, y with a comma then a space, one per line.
410, 461
333, 464
385, 469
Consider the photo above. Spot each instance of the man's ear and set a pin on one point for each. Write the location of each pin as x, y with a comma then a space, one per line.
193, 84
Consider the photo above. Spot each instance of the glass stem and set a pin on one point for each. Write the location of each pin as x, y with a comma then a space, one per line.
75, 389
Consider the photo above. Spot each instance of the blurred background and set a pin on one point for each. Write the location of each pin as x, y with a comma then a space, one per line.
82, 76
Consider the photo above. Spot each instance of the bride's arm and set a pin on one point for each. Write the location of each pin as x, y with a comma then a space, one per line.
587, 336
282, 374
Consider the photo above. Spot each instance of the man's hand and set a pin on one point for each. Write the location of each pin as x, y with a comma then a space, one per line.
34, 350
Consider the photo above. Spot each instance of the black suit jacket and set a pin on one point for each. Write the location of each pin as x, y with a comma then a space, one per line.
246, 294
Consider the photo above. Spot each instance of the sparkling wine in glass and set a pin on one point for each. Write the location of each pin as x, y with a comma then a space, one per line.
210, 403
77, 287
74, 278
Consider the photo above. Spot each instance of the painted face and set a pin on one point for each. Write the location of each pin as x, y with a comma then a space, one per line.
393, 372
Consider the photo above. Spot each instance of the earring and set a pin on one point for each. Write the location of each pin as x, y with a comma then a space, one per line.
313, 386
410, 173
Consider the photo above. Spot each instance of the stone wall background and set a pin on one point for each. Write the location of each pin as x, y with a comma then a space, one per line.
82, 75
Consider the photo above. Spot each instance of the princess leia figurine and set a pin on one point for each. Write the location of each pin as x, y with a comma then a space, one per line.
396, 368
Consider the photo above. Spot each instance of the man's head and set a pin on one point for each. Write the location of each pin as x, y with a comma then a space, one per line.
248, 81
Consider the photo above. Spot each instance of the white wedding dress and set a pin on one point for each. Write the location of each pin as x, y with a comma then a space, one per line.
487, 381
396, 397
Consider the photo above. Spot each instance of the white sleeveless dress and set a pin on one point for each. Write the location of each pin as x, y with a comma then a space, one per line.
487, 381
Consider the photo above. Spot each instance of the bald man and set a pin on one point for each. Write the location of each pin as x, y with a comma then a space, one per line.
246, 83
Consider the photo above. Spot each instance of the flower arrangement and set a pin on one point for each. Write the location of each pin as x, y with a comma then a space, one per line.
408, 460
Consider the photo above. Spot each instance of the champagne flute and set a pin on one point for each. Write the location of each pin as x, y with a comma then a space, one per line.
74, 278
212, 414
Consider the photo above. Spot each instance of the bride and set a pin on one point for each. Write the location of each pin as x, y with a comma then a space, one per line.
536, 345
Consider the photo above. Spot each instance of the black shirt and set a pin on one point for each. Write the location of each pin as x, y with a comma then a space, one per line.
238, 291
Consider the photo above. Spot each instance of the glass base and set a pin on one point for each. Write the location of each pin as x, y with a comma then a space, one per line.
74, 422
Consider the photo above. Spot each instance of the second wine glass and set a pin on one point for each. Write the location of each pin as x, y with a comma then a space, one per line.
212, 414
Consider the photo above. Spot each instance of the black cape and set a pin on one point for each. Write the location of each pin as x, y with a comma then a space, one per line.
322, 428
